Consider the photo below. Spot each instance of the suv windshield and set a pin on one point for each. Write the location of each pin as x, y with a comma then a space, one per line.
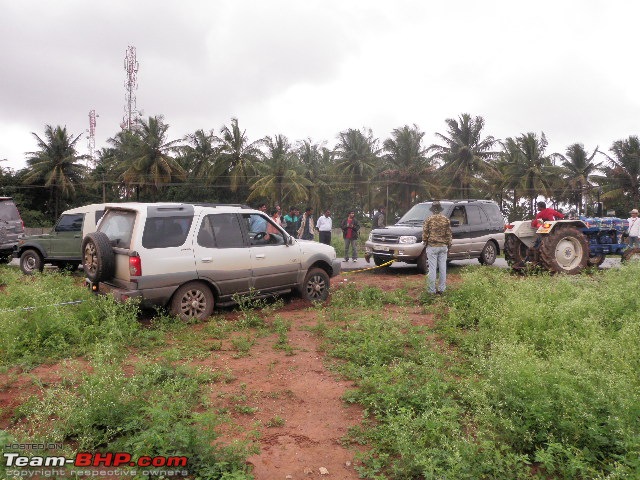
417, 213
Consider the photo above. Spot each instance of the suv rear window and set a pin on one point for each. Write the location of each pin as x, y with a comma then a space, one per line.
163, 232
8, 211
118, 226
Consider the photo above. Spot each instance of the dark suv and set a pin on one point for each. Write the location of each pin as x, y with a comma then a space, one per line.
11, 228
477, 227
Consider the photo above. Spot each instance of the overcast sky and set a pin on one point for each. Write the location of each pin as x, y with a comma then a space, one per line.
312, 68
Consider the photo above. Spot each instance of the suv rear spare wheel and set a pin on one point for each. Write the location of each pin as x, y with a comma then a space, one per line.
193, 301
315, 287
565, 251
98, 260
31, 262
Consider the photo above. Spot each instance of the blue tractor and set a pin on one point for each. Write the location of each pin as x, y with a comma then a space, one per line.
567, 246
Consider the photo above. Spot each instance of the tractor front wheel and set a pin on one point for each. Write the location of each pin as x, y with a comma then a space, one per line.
565, 251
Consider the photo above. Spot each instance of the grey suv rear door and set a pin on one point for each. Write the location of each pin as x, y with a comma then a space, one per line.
459, 233
479, 229
222, 255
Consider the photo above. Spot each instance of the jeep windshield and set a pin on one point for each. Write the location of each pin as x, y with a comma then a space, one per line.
416, 214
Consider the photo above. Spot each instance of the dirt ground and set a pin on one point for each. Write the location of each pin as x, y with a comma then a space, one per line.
289, 404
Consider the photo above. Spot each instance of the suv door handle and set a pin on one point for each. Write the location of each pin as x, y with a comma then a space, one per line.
206, 259
260, 256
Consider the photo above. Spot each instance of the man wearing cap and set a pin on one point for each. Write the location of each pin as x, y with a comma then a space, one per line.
634, 229
436, 235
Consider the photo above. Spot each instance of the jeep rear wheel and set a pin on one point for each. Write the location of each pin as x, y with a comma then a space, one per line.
98, 259
315, 287
31, 262
565, 251
488, 254
193, 301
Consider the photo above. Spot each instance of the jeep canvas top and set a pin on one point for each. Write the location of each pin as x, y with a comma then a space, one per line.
189, 257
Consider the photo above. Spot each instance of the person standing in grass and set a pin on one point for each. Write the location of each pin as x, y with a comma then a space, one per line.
436, 235
350, 231
634, 229
324, 225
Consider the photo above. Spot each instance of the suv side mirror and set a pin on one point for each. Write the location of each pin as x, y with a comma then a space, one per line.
454, 223
290, 240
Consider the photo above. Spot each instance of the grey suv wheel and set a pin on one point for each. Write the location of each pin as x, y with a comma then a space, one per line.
193, 301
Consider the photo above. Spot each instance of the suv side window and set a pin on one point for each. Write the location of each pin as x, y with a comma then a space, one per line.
70, 223
275, 236
221, 230
118, 226
459, 214
494, 213
476, 216
164, 232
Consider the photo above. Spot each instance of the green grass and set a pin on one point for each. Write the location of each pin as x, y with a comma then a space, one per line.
539, 375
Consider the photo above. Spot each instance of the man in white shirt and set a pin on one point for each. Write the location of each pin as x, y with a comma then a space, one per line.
634, 229
324, 226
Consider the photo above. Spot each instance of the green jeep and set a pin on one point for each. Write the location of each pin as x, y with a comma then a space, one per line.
62, 247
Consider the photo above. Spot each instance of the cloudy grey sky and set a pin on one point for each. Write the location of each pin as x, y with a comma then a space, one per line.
312, 68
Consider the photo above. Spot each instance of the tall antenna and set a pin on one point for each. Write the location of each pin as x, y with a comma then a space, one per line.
131, 65
92, 137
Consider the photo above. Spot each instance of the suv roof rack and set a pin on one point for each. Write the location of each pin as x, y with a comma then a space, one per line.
240, 205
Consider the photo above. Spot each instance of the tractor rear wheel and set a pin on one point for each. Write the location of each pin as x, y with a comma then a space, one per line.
565, 251
515, 251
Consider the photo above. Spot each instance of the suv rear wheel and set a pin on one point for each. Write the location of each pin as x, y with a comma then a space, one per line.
31, 262
193, 301
488, 254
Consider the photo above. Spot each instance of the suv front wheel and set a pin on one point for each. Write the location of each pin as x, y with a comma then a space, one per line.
315, 287
193, 301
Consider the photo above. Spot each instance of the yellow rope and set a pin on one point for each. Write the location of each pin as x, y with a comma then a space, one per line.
370, 268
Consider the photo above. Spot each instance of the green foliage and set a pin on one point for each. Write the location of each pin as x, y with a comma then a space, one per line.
544, 373
148, 413
35, 327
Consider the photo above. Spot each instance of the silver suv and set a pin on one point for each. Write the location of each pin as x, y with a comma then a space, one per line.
190, 257
477, 227
11, 228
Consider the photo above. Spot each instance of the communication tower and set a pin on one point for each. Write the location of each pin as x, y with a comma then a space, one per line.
92, 136
131, 113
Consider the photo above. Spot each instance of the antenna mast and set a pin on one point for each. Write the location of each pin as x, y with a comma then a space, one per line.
92, 137
131, 65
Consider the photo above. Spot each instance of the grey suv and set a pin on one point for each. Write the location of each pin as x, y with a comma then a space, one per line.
190, 257
11, 228
477, 227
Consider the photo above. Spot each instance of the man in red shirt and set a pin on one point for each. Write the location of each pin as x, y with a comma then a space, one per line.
545, 215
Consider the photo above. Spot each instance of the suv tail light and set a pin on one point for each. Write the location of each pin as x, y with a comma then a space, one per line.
135, 266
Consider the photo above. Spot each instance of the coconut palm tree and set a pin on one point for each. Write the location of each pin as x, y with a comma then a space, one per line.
197, 156
56, 164
528, 170
237, 160
317, 162
465, 155
578, 167
144, 157
357, 160
621, 180
281, 176
407, 168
